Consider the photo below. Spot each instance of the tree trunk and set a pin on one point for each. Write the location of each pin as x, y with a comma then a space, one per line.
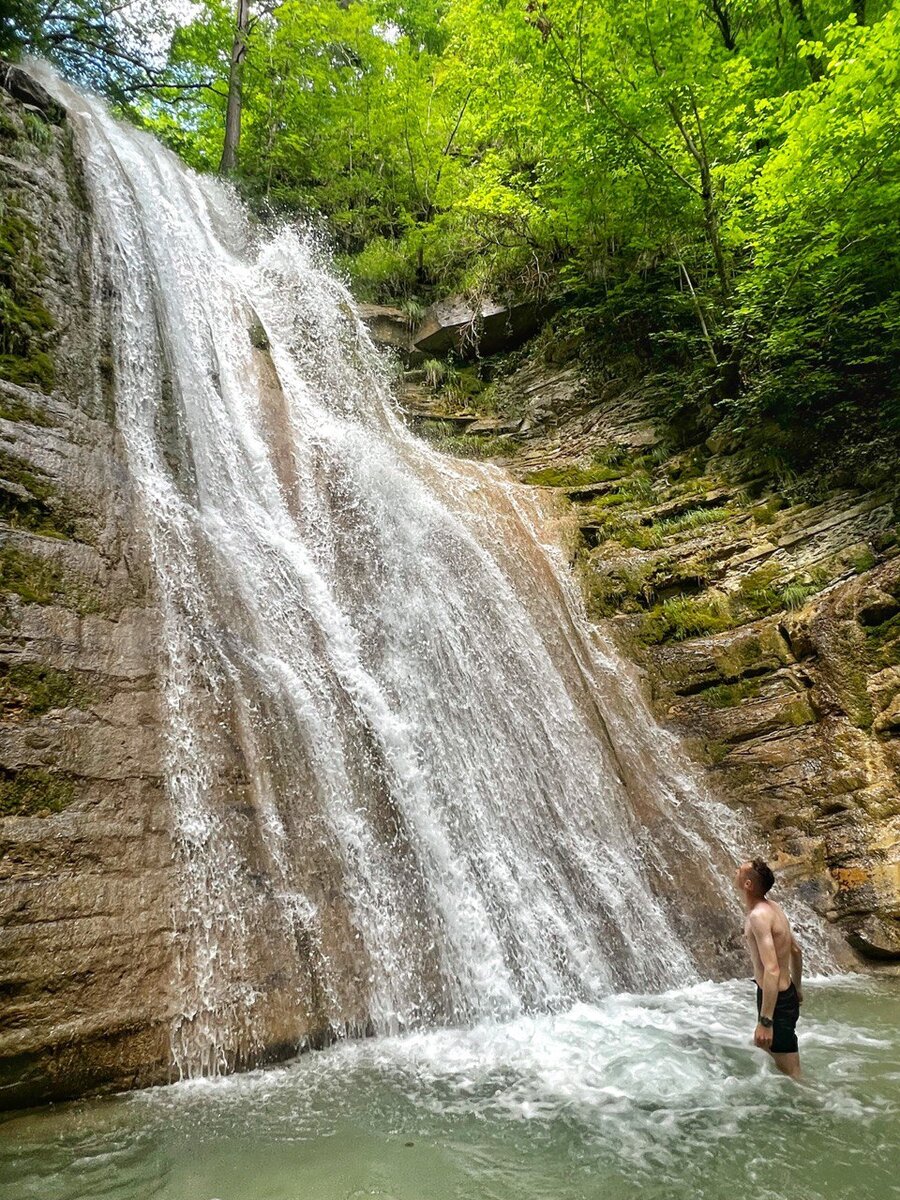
235, 89
722, 16
806, 32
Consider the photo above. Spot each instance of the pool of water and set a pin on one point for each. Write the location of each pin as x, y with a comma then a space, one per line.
658, 1097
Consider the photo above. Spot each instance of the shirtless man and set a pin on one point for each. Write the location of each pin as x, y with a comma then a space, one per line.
777, 967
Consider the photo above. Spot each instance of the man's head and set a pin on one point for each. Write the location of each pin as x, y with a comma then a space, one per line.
753, 879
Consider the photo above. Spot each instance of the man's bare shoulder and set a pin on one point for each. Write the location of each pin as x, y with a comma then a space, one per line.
761, 918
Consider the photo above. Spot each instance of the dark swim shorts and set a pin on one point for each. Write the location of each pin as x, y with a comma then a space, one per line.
784, 1020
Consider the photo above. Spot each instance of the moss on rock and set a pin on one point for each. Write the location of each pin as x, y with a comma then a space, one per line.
33, 689
29, 500
38, 580
25, 321
34, 792
13, 408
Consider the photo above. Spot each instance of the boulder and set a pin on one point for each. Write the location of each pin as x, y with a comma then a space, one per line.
33, 98
492, 426
877, 938
490, 328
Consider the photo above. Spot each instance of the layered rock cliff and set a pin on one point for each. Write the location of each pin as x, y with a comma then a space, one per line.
85, 873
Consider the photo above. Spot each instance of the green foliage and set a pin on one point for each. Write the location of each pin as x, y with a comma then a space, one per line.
694, 518
763, 592
444, 437
112, 46
711, 188
820, 309
436, 371
382, 270
687, 616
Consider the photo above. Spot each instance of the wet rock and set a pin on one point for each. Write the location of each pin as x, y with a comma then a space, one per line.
808, 720
877, 938
494, 426
888, 721
388, 326
31, 96
876, 606
688, 503
86, 861
700, 663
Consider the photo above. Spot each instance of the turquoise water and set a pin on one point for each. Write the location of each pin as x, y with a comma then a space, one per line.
657, 1097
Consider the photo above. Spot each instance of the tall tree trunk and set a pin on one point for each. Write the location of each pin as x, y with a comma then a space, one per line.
719, 10
806, 32
235, 89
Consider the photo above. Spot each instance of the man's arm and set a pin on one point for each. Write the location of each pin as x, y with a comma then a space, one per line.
797, 967
761, 927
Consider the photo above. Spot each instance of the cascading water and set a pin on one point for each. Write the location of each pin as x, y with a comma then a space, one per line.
409, 785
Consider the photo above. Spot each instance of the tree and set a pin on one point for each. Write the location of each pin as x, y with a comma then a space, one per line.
235, 88
117, 47
708, 182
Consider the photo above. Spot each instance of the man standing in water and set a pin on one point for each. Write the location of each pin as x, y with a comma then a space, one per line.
777, 967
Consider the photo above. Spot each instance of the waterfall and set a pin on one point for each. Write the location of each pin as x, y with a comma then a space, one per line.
409, 783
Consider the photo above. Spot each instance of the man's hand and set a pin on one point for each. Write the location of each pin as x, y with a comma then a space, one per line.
763, 1037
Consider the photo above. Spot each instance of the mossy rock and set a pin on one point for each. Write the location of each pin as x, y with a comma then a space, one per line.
685, 617
25, 321
729, 695
34, 792
259, 339
33, 689
572, 477
34, 369
38, 580
28, 500
13, 408
883, 643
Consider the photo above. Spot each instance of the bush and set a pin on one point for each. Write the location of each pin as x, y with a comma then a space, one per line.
383, 270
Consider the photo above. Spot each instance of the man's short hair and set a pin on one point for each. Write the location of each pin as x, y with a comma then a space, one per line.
764, 875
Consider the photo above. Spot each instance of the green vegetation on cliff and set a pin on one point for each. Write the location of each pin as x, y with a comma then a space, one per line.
24, 319
708, 189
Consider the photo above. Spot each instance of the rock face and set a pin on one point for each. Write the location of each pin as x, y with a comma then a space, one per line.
797, 714
769, 629
389, 327
86, 869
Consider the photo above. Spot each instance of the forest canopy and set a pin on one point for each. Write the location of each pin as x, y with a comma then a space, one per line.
712, 185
